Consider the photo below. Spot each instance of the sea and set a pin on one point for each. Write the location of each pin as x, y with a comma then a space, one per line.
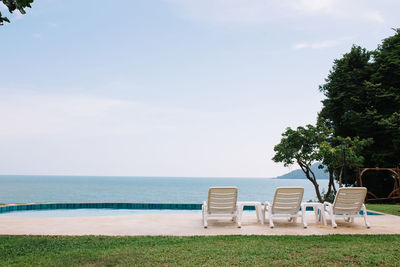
45, 189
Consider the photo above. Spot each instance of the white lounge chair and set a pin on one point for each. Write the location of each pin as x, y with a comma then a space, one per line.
349, 201
222, 202
286, 203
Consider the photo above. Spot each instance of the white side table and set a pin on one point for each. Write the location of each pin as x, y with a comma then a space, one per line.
256, 205
318, 210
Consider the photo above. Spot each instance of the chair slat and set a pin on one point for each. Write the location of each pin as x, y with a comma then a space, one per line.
222, 199
287, 200
349, 200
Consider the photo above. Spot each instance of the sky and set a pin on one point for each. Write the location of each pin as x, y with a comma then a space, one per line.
187, 88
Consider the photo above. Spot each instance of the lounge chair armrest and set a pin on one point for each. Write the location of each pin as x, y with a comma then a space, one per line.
204, 206
267, 205
328, 206
302, 205
363, 207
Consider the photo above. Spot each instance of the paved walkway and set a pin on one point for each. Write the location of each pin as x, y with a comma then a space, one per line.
186, 225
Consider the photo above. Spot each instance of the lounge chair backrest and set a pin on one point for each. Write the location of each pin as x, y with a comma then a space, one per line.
222, 199
349, 200
287, 200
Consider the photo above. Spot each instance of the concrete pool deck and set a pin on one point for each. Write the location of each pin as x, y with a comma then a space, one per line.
186, 225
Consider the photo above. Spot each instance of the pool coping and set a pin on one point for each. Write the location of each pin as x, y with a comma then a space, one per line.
117, 205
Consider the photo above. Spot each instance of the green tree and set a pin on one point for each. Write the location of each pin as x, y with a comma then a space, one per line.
333, 151
301, 146
310, 144
386, 79
345, 95
13, 5
363, 100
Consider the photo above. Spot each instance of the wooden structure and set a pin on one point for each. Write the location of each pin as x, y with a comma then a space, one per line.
394, 194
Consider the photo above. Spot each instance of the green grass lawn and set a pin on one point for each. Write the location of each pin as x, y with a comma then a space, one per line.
385, 208
340, 250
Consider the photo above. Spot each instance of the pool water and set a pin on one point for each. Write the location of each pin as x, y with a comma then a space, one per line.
90, 212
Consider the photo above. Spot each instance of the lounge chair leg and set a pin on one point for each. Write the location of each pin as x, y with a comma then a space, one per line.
365, 216
258, 214
323, 215
366, 222
271, 223
205, 220
265, 210
263, 217
334, 225
303, 219
317, 216
260, 217
238, 220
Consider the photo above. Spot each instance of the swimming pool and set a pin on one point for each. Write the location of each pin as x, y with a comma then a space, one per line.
104, 209
94, 209
90, 212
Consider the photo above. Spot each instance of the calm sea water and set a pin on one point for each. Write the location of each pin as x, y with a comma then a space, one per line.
27, 189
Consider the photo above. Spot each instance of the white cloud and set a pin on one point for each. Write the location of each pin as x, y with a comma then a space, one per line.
318, 45
264, 11
339, 9
230, 11
301, 45
313, 5
374, 16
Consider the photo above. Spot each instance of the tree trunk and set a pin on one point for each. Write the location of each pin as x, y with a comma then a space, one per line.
306, 169
340, 177
331, 185
316, 186
334, 187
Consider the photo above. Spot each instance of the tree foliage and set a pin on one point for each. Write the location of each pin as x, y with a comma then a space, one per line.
338, 153
310, 144
300, 146
363, 100
13, 5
